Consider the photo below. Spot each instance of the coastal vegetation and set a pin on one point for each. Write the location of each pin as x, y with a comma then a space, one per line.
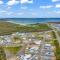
9, 28
56, 44
53, 34
57, 53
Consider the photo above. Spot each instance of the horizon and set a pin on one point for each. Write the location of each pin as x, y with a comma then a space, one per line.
31, 18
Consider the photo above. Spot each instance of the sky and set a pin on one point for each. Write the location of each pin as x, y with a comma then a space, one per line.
29, 8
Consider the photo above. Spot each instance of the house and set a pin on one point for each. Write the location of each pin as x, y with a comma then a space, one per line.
26, 56
47, 46
38, 42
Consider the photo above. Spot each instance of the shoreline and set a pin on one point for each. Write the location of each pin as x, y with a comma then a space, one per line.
33, 23
25, 23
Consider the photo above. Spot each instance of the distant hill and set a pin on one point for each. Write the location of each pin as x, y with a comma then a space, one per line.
9, 28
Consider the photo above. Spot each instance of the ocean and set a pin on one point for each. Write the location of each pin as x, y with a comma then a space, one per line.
30, 20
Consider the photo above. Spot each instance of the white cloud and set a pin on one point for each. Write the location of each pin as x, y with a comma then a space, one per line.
9, 13
12, 2
50, 6
20, 13
26, 1
58, 12
3, 11
6, 12
55, 0
1, 2
34, 14
57, 5
9, 7
24, 7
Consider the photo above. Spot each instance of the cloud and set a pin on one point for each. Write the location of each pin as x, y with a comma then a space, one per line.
20, 13
55, 0
58, 12
8, 8
12, 2
57, 6
34, 14
1, 2
50, 6
3, 11
23, 7
9, 13
26, 1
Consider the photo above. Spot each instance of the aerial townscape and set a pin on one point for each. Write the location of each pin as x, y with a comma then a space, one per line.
29, 29
40, 41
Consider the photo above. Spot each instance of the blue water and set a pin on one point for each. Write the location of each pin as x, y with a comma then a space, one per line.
32, 20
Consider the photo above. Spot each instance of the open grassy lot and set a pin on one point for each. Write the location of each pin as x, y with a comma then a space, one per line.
13, 50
